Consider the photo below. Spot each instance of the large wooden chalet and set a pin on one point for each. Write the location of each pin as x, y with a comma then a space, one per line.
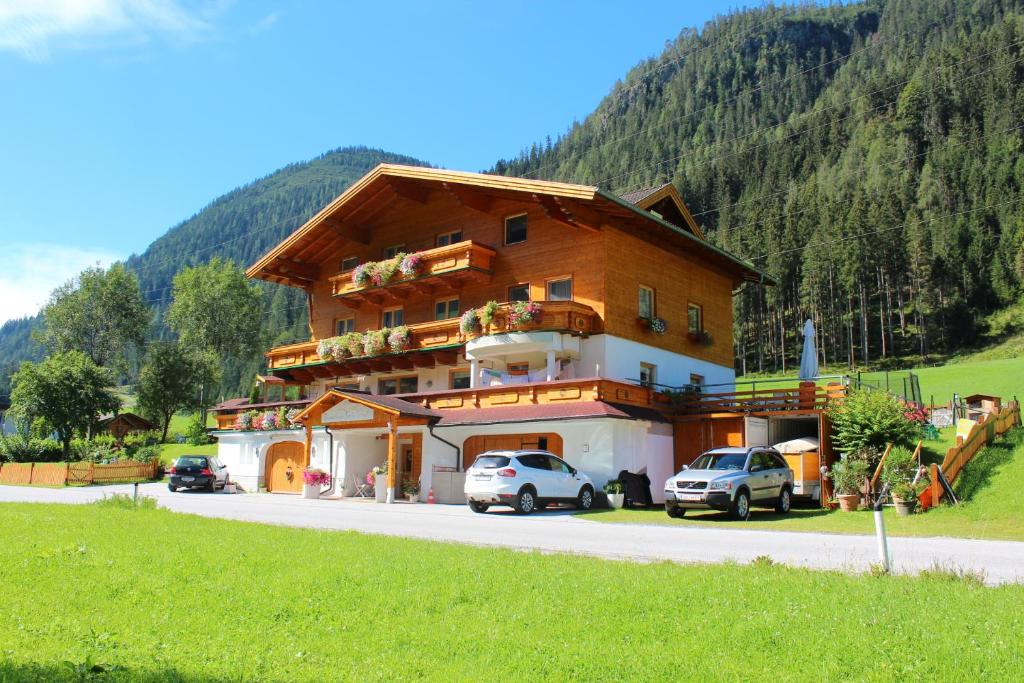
588, 311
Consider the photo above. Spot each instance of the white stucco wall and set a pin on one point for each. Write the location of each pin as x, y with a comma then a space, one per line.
620, 359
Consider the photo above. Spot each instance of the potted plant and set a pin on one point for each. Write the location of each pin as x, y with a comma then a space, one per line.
374, 342
361, 274
904, 495
469, 323
353, 341
616, 493
313, 480
399, 339
411, 264
523, 313
702, 337
847, 477
487, 312
380, 482
411, 489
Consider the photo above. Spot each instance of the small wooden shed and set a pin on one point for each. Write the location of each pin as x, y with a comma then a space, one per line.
982, 403
124, 423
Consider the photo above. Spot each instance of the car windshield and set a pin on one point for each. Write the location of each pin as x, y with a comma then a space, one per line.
190, 461
720, 461
490, 462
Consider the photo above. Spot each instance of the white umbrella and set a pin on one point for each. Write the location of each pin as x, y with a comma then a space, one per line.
809, 358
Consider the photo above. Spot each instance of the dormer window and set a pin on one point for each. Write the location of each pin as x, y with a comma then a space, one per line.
515, 229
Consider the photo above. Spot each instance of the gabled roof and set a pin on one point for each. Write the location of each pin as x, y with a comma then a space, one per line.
666, 201
136, 421
387, 404
349, 217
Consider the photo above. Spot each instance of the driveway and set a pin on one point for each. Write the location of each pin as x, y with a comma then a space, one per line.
560, 531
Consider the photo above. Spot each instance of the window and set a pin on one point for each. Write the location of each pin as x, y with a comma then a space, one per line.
778, 463
344, 326
760, 461
446, 238
392, 317
446, 308
391, 252
696, 379
537, 461
647, 374
560, 290
519, 292
349, 263
518, 368
398, 385
695, 319
645, 305
491, 462
459, 379
558, 465
515, 229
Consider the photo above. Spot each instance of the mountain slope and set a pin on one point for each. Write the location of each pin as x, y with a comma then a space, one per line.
866, 155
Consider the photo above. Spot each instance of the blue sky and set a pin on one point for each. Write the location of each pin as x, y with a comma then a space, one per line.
124, 117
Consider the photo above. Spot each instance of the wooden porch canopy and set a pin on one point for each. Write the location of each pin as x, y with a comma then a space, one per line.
339, 409
351, 216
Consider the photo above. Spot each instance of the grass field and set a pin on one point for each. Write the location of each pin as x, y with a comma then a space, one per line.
170, 451
990, 486
134, 592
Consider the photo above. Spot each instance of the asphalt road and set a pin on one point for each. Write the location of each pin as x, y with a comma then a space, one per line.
560, 531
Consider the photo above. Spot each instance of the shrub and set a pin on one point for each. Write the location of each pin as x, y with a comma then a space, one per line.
19, 448
906, 491
848, 476
399, 339
469, 322
870, 419
899, 467
411, 488
134, 441
195, 432
487, 312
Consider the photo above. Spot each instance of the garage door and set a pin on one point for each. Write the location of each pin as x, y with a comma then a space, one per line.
475, 445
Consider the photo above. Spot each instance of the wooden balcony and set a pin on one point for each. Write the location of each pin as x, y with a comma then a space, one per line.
760, 402
445, 270
431, 343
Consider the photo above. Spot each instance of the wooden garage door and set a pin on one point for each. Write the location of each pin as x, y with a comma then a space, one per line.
475, 445
285, 462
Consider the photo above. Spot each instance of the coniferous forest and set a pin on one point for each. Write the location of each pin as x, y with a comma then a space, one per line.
866, 156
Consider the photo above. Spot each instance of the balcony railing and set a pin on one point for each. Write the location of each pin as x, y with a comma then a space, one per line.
430, 343
444, 269
808, 399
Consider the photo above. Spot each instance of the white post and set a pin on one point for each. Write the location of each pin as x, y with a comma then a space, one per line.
474, 373
552, 368
883, 543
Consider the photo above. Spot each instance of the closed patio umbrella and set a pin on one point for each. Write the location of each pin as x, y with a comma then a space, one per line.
809, 358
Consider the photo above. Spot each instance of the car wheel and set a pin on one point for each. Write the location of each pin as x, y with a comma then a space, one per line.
172, 488
477, 506
212, 485
785, 501
675, 513
740, 506
526, 502
585, 500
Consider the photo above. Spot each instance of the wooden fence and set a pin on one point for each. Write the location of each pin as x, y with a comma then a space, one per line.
61, 474
985, 431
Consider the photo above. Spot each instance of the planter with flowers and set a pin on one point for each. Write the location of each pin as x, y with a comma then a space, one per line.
361, 274
616, 493
374, 342
399, 339
383, 271
353, 342
703, 337
411, 264
411, 489
522, 314
487, 312
314, 481
654, 324
848, 476
380, 482
332, 348
469, 323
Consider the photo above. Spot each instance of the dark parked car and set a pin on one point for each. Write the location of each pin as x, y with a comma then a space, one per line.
198, 472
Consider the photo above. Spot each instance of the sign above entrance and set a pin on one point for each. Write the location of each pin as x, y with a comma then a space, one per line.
347, 411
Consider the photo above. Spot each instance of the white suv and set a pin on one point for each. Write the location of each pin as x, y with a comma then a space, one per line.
525, 481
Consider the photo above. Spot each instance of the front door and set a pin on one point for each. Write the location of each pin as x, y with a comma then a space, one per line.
285, 463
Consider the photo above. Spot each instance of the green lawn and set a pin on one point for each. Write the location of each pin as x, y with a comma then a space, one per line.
990, 486
171, 451
134, 591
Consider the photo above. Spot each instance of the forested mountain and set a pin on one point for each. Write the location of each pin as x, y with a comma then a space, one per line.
239, 226
866, 156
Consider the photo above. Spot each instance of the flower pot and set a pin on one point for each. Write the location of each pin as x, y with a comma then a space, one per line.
905, 508
413, 497
616, 500
849, 502
380, 488
311, 491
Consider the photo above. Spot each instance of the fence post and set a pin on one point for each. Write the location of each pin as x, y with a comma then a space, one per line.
31, 472
92, 468
67, 472
936, 486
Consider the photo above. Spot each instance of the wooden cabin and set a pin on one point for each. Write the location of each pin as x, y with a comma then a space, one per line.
452, 313
122, 424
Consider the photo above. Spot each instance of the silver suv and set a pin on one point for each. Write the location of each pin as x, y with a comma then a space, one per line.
731, 479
